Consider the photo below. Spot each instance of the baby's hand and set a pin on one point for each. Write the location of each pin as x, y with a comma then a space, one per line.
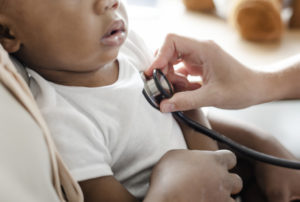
278, 184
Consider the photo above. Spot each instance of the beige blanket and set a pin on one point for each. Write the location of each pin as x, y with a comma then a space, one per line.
11, 79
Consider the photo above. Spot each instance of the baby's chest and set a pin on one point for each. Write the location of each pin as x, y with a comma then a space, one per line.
136, 130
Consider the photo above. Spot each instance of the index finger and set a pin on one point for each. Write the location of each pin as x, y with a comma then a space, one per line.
167, 54
227, 158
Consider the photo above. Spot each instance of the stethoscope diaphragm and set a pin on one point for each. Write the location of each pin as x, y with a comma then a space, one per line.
157, 88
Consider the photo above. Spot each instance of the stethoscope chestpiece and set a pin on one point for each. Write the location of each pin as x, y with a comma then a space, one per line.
157, 88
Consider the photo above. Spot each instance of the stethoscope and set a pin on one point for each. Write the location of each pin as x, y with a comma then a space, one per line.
158, 88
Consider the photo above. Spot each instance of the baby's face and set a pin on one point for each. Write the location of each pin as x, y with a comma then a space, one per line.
70, 35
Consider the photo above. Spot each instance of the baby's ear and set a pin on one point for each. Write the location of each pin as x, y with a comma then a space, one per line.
8, 39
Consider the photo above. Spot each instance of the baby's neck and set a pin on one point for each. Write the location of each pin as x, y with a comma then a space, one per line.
102, 76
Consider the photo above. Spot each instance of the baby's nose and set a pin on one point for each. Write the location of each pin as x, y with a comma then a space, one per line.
102, 6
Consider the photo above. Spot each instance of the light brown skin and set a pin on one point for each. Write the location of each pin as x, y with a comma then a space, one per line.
61, 41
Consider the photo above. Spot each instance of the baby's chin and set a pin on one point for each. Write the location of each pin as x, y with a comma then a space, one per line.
110, 55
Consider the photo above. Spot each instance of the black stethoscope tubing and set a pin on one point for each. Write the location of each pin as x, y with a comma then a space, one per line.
217, 136
236, 146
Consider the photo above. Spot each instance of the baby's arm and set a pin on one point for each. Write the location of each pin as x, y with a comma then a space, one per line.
194, 139
106, 189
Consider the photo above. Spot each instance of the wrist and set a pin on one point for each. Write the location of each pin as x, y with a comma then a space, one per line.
259, 86
265, 87
281, 84
271, 86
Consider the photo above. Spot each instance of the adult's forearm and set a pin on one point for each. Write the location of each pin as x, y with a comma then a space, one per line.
281, 84
290, 80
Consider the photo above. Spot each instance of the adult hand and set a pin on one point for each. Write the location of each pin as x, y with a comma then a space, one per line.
186, 175
226, 82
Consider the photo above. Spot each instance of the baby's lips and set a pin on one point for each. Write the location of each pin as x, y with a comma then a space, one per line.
115, 39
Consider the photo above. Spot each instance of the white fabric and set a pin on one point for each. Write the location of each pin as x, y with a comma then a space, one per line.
110, 130
24, 166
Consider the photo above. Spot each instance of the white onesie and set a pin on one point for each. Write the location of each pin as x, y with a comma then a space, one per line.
109, 130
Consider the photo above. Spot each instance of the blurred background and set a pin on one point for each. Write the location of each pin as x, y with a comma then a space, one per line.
153, 19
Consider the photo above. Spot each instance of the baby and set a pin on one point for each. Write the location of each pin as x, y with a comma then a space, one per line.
84, 66
90, 91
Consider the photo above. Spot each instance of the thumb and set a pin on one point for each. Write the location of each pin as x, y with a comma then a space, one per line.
186, 100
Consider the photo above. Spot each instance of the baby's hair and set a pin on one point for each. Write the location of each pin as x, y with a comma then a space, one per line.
4, 31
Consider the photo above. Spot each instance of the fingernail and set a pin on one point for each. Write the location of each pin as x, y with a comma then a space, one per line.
165, 108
